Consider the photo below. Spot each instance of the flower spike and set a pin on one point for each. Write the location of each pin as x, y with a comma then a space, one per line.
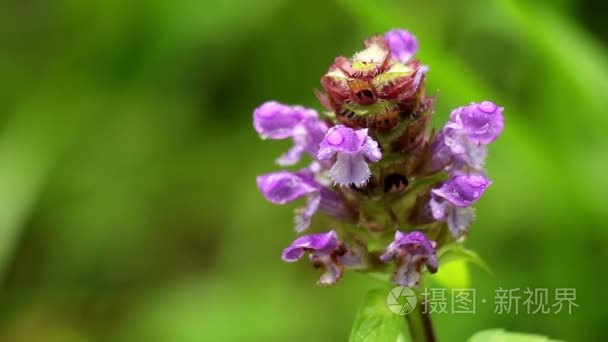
376, 163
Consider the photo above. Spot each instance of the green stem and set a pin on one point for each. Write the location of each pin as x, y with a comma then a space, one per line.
420, 325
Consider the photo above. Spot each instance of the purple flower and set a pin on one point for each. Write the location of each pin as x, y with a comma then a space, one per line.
411, 252
354, 148
453, 200
403, 44
284, 187
464, 139
482, 122
274, 120
454, 150
325, 251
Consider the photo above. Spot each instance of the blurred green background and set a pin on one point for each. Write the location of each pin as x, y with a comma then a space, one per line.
128, 206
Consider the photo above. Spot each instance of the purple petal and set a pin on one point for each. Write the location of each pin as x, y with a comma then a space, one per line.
275, 120
464, 139
408, 271
332, 268
371, 151
292, 156
304, 214
283, 187
453, 148
411, 252
403, 44
442, 154
463, 189
354, 149
332, 204
465, 151
354, 258
350, 169
342, 139
314, 133
320, 242
414, 242
439, 208
482, 122
307, 137
459, 219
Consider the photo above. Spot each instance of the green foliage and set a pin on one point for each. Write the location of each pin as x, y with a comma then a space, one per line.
375, 322
457, 252
454, 261
500, 335
454, 275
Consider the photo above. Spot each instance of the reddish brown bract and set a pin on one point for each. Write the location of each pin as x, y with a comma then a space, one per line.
372, 90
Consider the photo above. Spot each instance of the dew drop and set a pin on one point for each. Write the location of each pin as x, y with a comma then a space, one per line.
335, 138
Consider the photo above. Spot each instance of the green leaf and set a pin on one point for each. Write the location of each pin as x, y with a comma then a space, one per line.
456, 251
375, 322
500, 335
454, 262
454, 275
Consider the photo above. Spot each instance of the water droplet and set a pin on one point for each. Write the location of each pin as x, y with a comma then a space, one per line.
335, 138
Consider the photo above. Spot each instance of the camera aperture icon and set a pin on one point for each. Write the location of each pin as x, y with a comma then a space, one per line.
401, 300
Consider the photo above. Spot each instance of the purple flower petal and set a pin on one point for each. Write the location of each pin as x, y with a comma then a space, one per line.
459, 219
324, 242
354, 150
452, 201
441, 154
342, 139
275, 120
411, 252
284, 187
332, 269
325, 252
453, 150
463, 141
403, 44
465, 151
292, 156
354, 258
439, 208
463, 190
350, 169
482, 122
304, 214
370, 149
332, 204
